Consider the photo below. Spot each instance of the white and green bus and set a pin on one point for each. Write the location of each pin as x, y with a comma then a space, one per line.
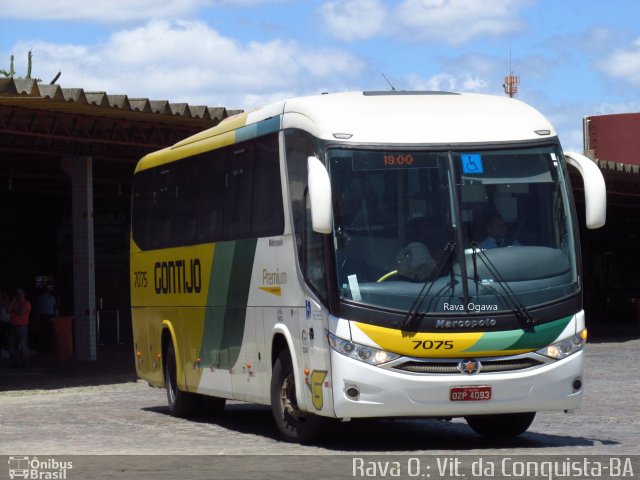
370, 254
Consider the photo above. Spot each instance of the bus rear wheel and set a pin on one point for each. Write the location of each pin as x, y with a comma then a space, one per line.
293, 424
181, 404
500, 426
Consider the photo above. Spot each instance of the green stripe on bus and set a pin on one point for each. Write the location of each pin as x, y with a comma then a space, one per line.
214, 351
530, 339
227, 298
541, 335
238, 296
495, 341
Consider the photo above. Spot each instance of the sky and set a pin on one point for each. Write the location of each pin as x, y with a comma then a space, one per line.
574, 57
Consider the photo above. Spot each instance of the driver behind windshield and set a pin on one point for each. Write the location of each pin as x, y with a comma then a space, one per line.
497, 234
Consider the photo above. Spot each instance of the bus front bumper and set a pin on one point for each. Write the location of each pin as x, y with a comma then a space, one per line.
361, 390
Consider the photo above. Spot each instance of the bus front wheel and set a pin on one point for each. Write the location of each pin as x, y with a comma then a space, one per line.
294, 424
500, 426
181, 404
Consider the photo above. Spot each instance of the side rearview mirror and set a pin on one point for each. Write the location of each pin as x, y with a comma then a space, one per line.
595, 191
319, 196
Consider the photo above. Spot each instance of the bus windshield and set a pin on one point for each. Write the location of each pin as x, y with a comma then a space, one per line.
463, 227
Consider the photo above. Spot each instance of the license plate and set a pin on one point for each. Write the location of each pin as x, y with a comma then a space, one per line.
471, 393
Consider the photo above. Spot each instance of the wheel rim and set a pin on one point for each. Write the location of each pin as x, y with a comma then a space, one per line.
171, 378
288, 400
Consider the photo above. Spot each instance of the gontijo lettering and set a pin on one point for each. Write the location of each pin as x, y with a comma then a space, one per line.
178, 276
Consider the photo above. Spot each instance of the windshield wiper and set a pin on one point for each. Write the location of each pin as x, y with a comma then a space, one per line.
414, 312
518, 308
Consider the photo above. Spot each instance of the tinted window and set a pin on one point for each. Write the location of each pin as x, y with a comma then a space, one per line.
225, 194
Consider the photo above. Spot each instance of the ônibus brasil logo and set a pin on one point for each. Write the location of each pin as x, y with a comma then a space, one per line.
33, 468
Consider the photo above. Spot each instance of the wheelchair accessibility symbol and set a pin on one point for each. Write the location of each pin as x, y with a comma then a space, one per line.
472, 163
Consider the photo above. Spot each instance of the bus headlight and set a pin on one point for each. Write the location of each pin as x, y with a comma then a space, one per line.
565, 347
370, 355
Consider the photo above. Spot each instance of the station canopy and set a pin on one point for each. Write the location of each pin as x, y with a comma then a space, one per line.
39, 121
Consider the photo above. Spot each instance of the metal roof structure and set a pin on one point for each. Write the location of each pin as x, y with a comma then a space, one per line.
39, 124
50, 120
29, 94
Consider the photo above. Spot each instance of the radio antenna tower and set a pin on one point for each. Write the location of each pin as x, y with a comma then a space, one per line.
511, 81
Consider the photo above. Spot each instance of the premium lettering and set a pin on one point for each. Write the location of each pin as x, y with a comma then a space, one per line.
178, 276
273, 278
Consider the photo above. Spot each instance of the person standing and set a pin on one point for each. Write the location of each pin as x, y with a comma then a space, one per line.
45, 308
19, 311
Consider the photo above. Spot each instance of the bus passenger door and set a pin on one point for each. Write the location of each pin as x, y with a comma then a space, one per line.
315, 359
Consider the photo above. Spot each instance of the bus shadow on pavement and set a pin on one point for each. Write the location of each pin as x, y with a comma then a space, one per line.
241, 418
384, 435
114, 365
432, 434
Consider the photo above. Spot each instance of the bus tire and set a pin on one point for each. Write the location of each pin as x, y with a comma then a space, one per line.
181, 404
500, 426
294, 424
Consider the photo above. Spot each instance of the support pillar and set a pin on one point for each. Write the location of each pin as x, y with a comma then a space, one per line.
81, 172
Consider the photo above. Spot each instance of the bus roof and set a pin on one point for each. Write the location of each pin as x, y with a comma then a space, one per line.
388, 117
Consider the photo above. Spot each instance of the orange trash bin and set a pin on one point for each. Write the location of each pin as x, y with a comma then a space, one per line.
63, 337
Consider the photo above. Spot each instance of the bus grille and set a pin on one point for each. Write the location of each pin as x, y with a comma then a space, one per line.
451, 366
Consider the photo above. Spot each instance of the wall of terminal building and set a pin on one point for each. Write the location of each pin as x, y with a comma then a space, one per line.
37, 250
610, 262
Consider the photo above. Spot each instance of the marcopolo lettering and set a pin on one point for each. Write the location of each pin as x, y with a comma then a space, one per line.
178, 276
470, 323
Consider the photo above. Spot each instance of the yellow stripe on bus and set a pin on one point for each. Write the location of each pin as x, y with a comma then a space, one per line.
414, 344
227, 125
172, 154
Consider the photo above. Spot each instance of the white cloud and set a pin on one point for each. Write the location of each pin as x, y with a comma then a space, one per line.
102, 11
446, 21
458, 21
189, 61
112, 11
623, 64
607, 108
464, 73
246, 3
353, 19
448, 82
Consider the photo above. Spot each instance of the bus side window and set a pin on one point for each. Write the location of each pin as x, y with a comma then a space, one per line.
314, 270
212, 196
164, 197
239, 193
268, 212
185, 206
142, 206
299, 146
